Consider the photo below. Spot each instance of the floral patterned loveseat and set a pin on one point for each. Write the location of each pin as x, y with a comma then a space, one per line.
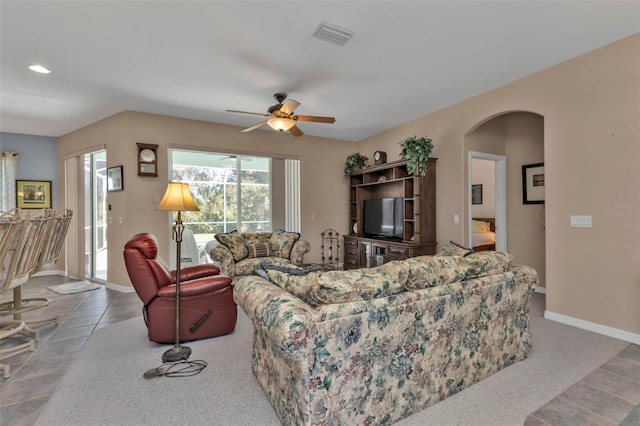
240, 253
372, 346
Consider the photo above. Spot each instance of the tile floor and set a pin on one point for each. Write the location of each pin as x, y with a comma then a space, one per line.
610, 395
35, 375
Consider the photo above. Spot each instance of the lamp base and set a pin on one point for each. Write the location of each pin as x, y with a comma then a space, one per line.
176, 353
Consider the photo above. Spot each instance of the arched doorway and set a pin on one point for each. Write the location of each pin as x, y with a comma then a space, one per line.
518, 138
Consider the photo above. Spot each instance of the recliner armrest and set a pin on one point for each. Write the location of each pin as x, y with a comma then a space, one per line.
196, 271
197, 287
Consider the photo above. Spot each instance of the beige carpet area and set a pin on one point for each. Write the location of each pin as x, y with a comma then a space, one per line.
105, 384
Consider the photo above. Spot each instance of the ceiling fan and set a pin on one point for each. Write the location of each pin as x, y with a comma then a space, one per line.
281, 116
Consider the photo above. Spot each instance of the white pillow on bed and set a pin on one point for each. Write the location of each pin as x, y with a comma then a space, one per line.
480, 226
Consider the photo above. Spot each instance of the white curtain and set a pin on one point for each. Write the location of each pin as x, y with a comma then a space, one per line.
8, 174
292, 195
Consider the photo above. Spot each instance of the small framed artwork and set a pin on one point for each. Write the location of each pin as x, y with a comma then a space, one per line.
114, 179
476, 194
33, 194
533, 183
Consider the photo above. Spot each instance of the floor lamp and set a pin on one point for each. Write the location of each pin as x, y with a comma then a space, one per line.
177, 198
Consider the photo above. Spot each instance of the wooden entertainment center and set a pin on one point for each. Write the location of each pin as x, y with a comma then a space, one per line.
392, 180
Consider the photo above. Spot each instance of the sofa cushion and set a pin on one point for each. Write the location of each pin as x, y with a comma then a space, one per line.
235, 243
282, 242
298, 285
487, 263
454, 249
431, 271
360, 284
259, 250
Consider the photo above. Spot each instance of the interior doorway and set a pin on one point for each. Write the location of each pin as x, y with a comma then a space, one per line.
495, 194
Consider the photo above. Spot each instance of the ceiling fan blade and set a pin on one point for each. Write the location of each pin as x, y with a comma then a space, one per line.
314, 118
295, 131
246, 112
248, 129
288, 106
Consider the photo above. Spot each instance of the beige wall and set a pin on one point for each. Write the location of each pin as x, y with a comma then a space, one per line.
591, 116
524, 144
591, 112
483, 173
324, 189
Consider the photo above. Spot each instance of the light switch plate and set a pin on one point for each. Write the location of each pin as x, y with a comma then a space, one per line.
580, 221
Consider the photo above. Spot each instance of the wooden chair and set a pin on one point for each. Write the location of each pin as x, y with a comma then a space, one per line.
10, 224
21, 262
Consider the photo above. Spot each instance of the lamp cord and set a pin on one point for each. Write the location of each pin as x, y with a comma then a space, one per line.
176, 369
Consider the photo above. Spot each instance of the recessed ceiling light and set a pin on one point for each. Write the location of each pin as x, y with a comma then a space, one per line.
40, 69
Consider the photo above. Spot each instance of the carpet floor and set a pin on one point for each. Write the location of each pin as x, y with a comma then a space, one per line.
105, 383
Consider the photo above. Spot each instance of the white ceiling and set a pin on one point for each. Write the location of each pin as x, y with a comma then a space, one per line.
196, 59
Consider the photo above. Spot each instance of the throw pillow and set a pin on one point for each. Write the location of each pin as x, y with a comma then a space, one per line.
480, 226
360, 284
235, 243
454, 249
282, 242
431, 271
259, 250
487, 263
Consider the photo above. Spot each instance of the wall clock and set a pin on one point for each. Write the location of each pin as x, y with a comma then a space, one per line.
379, 157
147, 159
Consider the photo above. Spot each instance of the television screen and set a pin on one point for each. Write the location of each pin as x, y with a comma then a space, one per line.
383, 217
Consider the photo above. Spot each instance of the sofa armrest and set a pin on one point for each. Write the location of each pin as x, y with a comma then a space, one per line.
298, 251
282, 318
224, 260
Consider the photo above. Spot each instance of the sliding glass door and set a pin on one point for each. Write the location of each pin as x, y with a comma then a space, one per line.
95, 178
232, 192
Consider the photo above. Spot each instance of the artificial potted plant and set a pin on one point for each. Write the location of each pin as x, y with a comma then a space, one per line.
416, 151
354, 161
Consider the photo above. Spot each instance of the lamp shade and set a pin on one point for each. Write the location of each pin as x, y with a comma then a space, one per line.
177, 197
280, 124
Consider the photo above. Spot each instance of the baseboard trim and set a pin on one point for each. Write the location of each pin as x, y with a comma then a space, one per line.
616, 333
542, 290
49, 272
120, 288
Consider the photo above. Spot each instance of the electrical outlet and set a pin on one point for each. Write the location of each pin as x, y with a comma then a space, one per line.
456, 218
580, 221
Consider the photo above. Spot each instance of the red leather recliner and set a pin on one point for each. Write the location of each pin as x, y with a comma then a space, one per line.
207, 308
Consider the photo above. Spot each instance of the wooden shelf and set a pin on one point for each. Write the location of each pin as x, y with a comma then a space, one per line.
392, 180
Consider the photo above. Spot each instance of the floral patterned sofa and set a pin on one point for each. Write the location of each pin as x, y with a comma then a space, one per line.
372, 346
241, 253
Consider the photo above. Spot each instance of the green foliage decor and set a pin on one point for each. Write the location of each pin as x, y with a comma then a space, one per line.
416, 151
354, 161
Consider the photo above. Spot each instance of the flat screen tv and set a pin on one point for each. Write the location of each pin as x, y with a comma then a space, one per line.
383, 217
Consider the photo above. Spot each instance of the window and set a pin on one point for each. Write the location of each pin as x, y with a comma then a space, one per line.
232, 192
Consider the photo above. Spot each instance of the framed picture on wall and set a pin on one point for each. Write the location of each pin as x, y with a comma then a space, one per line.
533, 183
33, 194
476, 194
114, 179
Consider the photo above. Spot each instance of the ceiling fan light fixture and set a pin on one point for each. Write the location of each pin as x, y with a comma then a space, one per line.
280, 124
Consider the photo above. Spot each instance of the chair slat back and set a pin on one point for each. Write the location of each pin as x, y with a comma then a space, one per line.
8, 230
26, 248
56, 234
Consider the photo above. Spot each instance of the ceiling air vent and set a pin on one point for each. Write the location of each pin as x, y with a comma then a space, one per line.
333, 34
